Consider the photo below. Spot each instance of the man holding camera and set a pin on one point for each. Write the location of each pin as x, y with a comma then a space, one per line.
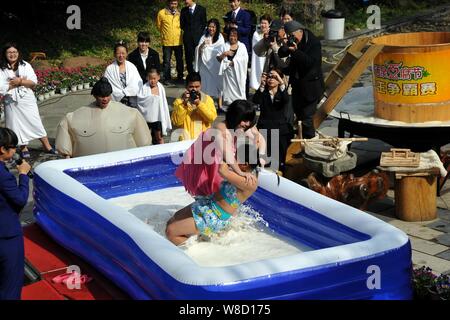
194, 112
305, 73
269, 45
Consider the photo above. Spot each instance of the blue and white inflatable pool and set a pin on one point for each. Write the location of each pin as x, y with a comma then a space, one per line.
353, 255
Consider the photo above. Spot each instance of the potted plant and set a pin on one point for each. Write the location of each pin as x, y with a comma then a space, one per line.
423, 282
39, 92
442, 287
64, 84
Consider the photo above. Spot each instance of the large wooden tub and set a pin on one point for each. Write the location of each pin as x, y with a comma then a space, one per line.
411, 77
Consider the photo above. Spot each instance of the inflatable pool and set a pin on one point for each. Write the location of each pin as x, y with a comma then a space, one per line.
351, 255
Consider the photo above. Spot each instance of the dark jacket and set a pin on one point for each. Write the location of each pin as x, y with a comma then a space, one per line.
193, 25
13, 198
273, 113
244, 23
151, 62
305, 67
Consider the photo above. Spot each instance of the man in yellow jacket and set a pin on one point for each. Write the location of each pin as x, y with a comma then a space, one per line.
168, 24
194, 112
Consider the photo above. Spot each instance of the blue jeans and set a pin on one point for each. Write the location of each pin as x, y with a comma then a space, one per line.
167, 56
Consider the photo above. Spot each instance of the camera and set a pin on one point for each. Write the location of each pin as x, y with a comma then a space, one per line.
273, 36
291, 41
193, 95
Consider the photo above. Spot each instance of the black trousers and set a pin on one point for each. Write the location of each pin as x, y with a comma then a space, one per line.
304, 111
11, 267
167, 57
189, 53
278, 159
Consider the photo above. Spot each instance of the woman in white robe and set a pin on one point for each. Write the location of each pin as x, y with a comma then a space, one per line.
152, 103
233, 58
123, 77
17, 81
205, 61
258, 62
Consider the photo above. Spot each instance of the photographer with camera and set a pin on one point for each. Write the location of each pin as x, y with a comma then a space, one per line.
194, 112
269, 45
305, 73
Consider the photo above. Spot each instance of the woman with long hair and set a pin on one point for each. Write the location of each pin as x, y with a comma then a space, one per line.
205, 61
17, 81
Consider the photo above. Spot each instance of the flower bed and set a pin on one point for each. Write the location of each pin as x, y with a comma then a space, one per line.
428, 286
62, 79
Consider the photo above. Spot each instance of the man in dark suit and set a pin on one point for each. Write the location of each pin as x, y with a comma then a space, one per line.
305, 71
144, 57
242, 20
193, 24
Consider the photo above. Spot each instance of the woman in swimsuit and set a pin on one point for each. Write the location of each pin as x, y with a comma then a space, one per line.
211, 214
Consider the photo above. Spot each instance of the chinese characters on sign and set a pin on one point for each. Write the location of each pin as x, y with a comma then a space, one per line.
393, 72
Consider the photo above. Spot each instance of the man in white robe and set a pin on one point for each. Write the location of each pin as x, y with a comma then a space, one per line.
103, 126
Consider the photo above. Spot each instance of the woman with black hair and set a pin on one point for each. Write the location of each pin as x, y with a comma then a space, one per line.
17, 81
211, 214
205, 61
233, 58
13, 198
273, 100
199, 170
124, 77
259, 62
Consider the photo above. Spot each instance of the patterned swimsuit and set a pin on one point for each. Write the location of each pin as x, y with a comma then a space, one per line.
209, 217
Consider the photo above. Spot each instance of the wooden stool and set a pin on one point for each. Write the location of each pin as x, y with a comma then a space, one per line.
415, 195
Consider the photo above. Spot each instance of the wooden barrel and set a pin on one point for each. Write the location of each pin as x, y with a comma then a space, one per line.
411, 77
415, 197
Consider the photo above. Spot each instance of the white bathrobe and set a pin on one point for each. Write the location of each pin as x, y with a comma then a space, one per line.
206, 64
133, 80
154, 108
235, 76
21, 110
257, 64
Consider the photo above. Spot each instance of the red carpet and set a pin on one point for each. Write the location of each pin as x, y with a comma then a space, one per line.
50, 260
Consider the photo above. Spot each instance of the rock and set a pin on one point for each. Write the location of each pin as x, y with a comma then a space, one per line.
82, 61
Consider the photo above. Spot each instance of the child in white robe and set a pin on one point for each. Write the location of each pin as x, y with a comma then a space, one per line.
152, 103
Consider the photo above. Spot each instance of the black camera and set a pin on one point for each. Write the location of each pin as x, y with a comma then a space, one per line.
273, 36
193, 95
291, 41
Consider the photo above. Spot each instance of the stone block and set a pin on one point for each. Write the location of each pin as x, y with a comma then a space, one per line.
427, 247
437, 264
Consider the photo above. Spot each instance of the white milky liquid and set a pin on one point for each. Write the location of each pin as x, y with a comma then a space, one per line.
247, 239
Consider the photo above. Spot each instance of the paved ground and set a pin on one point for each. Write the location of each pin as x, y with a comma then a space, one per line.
430, 240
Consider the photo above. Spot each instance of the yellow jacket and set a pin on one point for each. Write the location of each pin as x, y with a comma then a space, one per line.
169, 27
193, 120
